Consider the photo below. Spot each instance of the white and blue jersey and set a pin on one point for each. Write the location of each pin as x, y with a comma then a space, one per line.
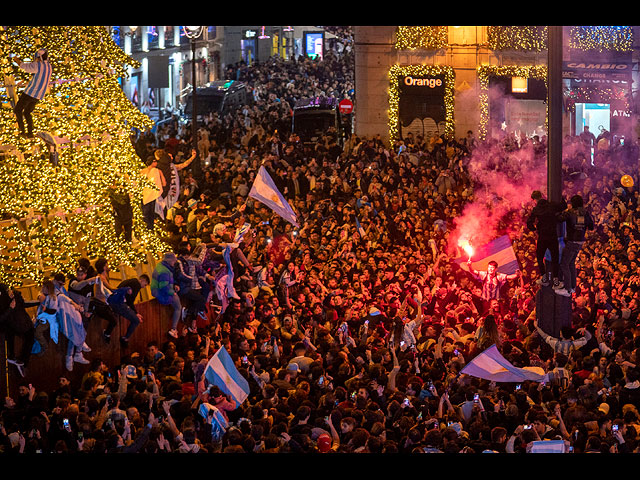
39, 84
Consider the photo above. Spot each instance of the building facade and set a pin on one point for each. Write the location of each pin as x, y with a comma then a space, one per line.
164, 77
491, 80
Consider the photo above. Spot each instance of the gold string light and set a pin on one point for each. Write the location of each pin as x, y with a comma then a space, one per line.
597, 38
421, 37
596, 94
523, 38
65, 209
530, 38
485, 72
396, 72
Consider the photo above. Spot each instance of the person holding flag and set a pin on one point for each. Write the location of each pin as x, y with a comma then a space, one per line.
222, 373
492, 280
265, 191
230, 249
499, 261
171, 188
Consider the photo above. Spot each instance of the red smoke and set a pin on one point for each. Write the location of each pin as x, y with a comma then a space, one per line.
503, 181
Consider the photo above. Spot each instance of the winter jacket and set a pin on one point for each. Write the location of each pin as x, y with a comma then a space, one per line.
577, 223
543, 218
162, 282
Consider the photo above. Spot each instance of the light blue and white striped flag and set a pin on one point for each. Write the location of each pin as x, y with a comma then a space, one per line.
231, 289
492, 366
548, 446
212, 415
499, 250
264, 190
241, 231
222, 372
361, 230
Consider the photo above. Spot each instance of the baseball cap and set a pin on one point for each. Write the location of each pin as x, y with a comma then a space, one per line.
604, 408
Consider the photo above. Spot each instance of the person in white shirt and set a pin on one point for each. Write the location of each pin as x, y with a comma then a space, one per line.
150, 195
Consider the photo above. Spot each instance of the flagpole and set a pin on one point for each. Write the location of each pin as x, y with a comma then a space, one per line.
6, 373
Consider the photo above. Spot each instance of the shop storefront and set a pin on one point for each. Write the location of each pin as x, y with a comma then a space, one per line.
597, 95
421, 100
513, 101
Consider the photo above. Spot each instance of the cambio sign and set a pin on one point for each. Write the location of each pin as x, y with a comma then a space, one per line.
597, 71
598, 66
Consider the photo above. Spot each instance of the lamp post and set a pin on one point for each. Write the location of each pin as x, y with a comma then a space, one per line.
554, 148
193, 33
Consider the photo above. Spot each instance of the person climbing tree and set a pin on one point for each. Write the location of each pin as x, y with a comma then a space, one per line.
35, 91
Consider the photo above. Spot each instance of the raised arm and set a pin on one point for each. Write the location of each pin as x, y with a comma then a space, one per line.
186, 163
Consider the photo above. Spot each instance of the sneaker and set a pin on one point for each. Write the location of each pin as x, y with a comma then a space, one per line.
68, 362
564, 292
173, 333
124, 342
558, 285
86, 348
106, 337
18, 364
79, 358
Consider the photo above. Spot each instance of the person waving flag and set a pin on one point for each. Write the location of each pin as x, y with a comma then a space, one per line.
264, 190
222, 372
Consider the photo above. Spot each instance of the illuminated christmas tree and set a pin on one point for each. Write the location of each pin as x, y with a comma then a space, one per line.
54, 199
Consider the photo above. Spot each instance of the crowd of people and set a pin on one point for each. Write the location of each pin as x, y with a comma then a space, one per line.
352, 328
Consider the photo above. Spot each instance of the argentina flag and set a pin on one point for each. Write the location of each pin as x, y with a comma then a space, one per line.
500, 250
231, 289
491, 365
361, 230
548, 446
265, 191
212, 415
222, 372
241, 231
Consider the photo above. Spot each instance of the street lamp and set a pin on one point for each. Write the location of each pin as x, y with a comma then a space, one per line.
193, 33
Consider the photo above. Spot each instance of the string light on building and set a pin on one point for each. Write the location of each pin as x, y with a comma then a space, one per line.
423, 37
399, 71
600, 38
523, 38
486, 72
